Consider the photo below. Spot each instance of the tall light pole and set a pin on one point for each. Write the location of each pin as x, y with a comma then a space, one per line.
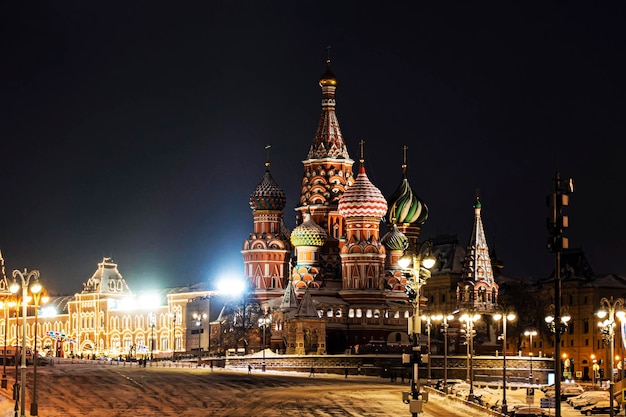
444, 328
469, 320
429, 324
505, 318
557, 320
263, 322
152, 324
37, 297
609, 310
5, 306
421, 265
25, 278
530, 333
174, 336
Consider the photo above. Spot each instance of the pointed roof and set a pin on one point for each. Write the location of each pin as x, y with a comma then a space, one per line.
289, 299
106, 280
307, 308
362, 199
328, 142
477, 262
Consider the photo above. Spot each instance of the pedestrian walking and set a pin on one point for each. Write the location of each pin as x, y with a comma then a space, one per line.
312, 374
249, 369
345, 371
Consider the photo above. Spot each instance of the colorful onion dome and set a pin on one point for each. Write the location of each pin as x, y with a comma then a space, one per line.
267, 195
328, 78
308, 233
395, 239
362, 199
405, 207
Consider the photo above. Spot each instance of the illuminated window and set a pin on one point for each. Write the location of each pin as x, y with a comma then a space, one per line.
368, 313
396, 315
351, 313
376, 314
338, 312
406, 314
359, 313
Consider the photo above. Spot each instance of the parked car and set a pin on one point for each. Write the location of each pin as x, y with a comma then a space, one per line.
601, 407
571, 391
588, 398
528, 411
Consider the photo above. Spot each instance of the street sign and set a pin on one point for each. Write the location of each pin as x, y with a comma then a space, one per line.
547, 402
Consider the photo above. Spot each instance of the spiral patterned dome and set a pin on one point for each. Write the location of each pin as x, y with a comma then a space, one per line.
362, 199
405, 207
308, 233
267, 195
395, 239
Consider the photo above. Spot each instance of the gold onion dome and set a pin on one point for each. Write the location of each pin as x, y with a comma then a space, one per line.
308, 233
395, 239
405, 207
362, 199
267, 195
328, 78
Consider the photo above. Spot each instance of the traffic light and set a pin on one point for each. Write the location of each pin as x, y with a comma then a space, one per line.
557, 221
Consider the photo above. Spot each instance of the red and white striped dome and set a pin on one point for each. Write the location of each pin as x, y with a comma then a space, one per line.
362, 199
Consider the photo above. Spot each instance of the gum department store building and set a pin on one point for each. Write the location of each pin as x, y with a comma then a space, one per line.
328, 285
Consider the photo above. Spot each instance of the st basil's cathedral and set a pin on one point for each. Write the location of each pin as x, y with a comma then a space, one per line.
334, 282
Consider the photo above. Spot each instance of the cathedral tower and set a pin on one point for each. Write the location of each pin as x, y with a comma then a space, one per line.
266, 251
477, 289
327, 173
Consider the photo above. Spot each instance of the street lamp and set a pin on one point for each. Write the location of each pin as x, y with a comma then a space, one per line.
5, 306
38, 295
469, 320
420, 265
530, 333
173, 336
444, 329
609, 310
25, 278
198, 317
505, 318
428, 319
152, 324
557, 325
263, 322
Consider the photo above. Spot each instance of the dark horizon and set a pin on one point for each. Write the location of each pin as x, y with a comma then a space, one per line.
138, 132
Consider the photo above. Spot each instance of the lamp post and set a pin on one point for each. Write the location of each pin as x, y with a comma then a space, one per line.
428, 319
469, 320
557, 320
263, 322
530, 333
25, 278
152, 324
444, 329
420, 265
609, 310
37, 297
5, 306
505, 318
174, 336
199, 317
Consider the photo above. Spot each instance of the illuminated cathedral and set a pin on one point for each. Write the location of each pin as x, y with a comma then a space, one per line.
336, 272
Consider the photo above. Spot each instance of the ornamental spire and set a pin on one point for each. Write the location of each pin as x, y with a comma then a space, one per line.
328, 142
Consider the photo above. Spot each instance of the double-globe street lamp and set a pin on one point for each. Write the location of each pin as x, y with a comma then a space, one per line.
25, 278
420, 264
531, 334
505, 317
264, 322
5, 307
469, 319
39, 296
609, 310
557, 320
444, 329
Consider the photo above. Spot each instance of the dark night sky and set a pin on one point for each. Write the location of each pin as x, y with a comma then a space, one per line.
136, 129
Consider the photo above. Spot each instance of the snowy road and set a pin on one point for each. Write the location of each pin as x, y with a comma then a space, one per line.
111, 390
